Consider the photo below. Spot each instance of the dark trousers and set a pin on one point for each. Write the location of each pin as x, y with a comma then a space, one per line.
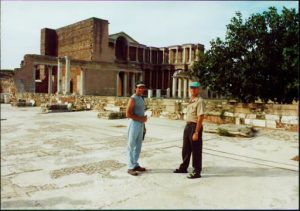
191, 147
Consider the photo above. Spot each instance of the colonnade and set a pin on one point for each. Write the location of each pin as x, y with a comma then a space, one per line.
180, 87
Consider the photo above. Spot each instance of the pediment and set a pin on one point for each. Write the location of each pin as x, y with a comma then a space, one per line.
123, 34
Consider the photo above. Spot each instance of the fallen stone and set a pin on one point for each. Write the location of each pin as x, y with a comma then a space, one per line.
230, 130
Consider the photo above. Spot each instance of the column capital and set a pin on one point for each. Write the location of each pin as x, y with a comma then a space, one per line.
68, 57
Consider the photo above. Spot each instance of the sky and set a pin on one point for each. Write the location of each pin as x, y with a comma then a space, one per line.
152, 23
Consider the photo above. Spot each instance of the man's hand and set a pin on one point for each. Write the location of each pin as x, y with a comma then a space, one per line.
195, 136
144, 119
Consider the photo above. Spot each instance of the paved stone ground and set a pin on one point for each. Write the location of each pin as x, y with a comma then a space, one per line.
74, 160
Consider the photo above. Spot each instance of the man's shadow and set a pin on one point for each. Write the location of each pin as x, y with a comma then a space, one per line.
222, 171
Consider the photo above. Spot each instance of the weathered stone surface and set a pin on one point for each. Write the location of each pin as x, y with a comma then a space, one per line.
230, 130
216, 111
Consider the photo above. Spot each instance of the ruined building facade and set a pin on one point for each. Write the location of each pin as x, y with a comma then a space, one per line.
82, 58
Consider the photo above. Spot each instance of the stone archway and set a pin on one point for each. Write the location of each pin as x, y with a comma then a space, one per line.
121, 48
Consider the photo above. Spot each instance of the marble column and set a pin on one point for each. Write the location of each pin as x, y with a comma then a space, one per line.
190, 59
49, 79
185, 88
179, 88
67, 77
59, 76
183, 56
169, 56
174, 87
117, 84
197, 54
82, 81
150, 79
163, 57
34, 77
190, 95
125, 84
128, 50
176, 56
133, 83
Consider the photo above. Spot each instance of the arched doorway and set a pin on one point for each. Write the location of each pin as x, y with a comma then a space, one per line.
121, 48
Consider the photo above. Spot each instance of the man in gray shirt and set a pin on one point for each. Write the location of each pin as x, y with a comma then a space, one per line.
192, 136
136, 112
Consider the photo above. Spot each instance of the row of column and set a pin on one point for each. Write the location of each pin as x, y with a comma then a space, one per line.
67, 79
184, 54
178, 84
125, 82
170, 57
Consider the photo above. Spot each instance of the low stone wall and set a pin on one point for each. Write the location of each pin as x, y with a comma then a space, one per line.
217, 111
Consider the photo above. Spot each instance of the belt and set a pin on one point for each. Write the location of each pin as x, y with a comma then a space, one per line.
190, 123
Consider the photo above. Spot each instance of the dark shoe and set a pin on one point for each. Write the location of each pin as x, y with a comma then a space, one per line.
132, 172
138, 168
180, 171
194, 175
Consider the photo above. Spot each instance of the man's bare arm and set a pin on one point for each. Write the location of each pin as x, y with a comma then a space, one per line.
129, 112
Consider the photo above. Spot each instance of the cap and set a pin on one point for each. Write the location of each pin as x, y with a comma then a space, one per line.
194, 84
140, 83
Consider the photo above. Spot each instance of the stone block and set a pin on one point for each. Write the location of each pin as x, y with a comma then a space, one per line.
171, 108
289, 119
251, 116
248, 121
272, 117
228, 114
259, 122
112, 108
271, 124
241, 115
237, 121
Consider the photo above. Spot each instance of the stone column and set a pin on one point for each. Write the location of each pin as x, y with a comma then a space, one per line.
34, 76
82, 81
183, 56
197, 52
176, 56
128, 57
144, 61
137, 54
150, 79
157, 78
67, 77
189, 89
169, 78
117, 84
184, 87
169, 55
133, 83
179, 88
59, 76
174, 87
150, 56
190, 59
141, 77
125, 84
163, 58
49, 79
163, 80
157, 56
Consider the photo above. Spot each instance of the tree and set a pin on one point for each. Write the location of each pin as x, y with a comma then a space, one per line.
258, 60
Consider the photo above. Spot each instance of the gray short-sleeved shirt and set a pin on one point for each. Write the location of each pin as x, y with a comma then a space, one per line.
195, 108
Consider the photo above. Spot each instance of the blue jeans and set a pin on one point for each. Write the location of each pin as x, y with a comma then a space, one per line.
134, 146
